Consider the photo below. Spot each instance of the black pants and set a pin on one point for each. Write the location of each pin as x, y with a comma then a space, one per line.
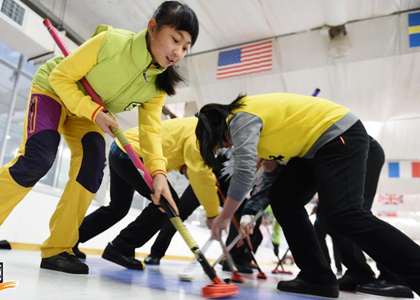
337, 172
125, 179
321, 234
353, 257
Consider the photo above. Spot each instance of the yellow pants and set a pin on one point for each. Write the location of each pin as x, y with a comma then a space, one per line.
47, 119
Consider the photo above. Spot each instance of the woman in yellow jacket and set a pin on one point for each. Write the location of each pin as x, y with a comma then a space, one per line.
326, 147
180, 148
126, 70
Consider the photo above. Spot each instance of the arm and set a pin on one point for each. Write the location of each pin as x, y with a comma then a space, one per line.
150, 135
245, 130
64, 78
150, 139
202, 178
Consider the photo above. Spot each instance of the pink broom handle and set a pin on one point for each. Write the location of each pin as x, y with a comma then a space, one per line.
117, 131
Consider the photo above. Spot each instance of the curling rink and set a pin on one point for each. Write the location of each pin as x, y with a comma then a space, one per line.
108, 281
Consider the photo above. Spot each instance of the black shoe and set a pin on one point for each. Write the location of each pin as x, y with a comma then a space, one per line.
300, 286
65, 262
112, 254
78, 253
5, 245
152, 260
386, 289
350, 282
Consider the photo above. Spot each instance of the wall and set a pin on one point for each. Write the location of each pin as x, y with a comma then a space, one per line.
32, 39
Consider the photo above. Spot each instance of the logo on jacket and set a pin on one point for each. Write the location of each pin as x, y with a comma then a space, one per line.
132, 105
280, 157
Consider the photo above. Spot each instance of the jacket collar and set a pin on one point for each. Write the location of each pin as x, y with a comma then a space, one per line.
141, 55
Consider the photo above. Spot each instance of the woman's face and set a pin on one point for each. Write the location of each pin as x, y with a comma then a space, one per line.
168, 46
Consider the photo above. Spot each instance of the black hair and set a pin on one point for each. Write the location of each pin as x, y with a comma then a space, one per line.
211, 127
181, 17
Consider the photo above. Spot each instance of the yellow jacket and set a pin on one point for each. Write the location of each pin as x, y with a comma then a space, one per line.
180, 147
118, 66
291, 123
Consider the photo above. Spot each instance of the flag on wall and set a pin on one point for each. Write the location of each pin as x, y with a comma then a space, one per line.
404, 169
414, 29
252, 58
390, 199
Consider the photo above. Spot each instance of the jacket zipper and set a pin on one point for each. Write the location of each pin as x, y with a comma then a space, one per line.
123, 92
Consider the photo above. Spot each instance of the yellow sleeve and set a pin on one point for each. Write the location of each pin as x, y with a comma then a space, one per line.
202, 178
150, 134
74, 67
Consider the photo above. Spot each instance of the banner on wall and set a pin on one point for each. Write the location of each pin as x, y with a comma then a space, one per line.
388, 214
414, 29
248, 59
404, 169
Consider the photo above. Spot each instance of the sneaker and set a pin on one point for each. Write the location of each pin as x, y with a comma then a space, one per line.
78, 253
112, 254
350, 282
386, 289
300, 286
152, 260
64, 262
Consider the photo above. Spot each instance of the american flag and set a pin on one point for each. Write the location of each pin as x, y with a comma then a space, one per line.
252, 58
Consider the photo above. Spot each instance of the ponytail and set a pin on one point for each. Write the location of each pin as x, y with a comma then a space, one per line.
166, 81
211, 128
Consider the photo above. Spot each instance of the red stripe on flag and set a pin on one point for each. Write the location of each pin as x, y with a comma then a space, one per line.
242, 65
262, 52
221, 76
415, 169
256, 49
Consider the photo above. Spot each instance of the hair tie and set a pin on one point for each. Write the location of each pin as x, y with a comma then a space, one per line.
197, 114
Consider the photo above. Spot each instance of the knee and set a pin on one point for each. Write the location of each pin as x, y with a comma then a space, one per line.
120, 211
40, 152
93, 162
337, 222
